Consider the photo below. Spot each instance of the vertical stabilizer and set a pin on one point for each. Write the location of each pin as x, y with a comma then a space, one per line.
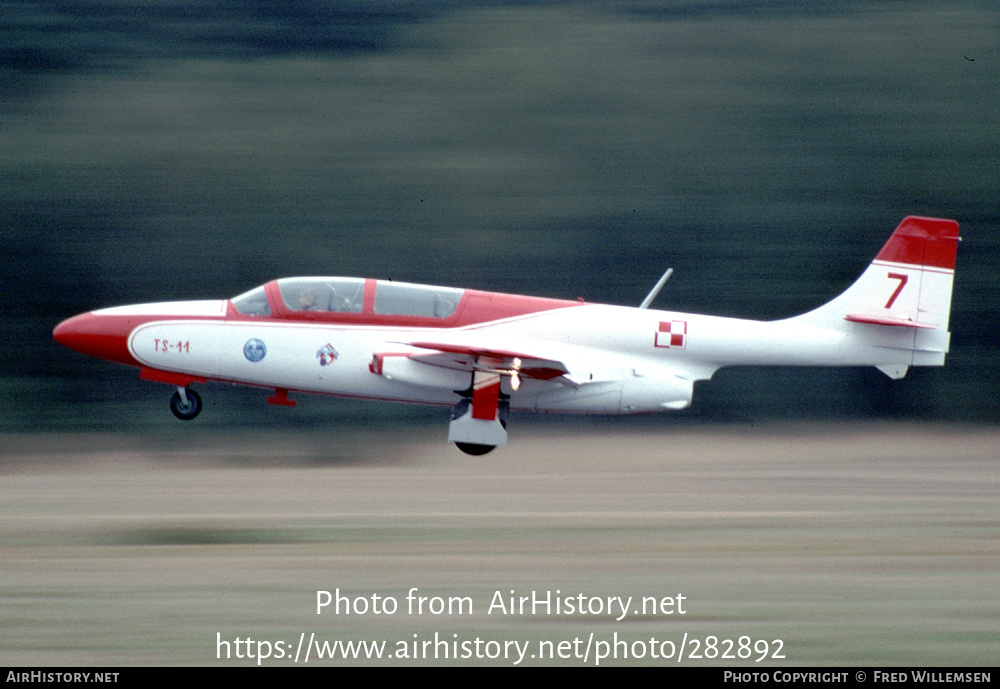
902, 302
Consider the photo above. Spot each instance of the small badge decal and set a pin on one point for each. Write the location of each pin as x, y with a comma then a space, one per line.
327, 355
254, 350
672, 335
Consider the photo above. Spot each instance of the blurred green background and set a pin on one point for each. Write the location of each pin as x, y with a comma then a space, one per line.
154, 151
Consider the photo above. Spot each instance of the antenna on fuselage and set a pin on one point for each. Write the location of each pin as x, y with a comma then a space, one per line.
656, 290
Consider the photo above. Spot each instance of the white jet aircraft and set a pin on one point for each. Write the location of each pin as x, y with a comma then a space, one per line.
485, 353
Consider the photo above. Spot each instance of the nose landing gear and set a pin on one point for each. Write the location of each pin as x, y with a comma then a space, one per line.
185, 404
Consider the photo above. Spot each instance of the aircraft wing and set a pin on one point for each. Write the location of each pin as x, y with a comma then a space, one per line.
473, 357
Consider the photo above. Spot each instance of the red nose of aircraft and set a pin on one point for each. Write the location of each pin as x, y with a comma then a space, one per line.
101, 336
105, 333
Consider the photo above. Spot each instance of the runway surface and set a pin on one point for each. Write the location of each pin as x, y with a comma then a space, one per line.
822, 545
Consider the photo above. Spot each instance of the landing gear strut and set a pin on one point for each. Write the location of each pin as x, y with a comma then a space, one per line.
474, 436
185, 404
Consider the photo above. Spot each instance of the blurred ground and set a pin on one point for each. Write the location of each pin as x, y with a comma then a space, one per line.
854, 545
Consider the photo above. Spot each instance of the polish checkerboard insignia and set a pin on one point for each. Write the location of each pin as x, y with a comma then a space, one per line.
672, 334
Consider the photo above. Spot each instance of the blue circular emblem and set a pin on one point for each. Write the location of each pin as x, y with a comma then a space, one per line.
254, 350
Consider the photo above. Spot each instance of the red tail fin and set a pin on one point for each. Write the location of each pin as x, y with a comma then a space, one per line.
922, 242
900, 306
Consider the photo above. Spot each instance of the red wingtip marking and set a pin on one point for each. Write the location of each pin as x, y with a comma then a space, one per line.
922, 242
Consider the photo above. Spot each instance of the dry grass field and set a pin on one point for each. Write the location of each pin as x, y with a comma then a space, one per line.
852, 545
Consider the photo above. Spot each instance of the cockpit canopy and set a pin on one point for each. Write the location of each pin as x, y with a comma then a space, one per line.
339, 295
253, 303
342, 295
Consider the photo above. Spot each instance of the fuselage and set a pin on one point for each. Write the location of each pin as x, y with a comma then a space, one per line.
619, 359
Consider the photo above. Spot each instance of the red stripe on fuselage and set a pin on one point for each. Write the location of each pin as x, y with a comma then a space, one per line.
484, 307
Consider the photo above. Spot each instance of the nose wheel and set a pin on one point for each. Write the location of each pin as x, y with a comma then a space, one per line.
185, 404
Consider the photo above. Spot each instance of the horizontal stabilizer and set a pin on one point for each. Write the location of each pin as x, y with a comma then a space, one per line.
886, 320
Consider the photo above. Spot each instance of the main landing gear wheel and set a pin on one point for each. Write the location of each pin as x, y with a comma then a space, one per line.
479, 436
474, 449
185, 410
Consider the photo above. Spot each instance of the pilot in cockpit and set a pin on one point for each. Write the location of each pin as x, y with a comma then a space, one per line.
307, 300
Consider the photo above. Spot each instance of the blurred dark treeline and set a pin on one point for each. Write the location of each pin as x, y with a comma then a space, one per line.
153, 151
